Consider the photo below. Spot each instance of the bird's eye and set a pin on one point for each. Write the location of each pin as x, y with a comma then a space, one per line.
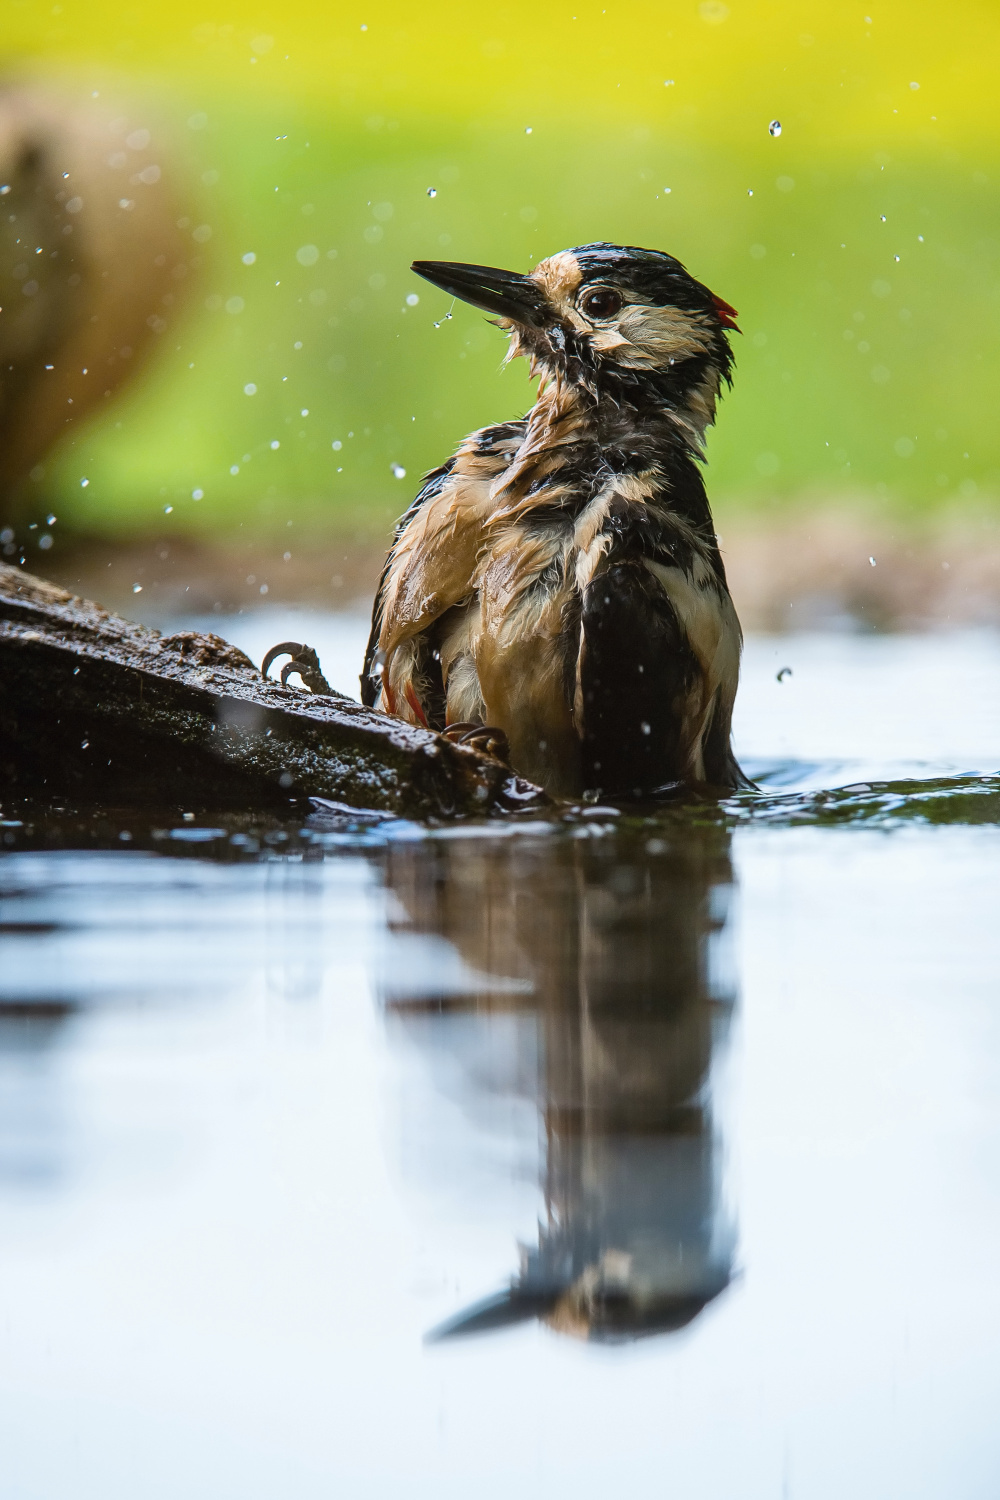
602, 302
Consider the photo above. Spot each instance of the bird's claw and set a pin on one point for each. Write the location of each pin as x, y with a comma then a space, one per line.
304, 662
483, 737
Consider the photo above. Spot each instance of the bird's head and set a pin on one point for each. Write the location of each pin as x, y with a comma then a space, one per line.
609, 317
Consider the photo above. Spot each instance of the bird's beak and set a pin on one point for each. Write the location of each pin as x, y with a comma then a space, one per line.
505, 293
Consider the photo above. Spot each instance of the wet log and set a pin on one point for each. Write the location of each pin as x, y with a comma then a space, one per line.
93, 706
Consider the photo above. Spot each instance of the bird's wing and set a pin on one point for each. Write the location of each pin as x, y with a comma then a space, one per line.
431, 564
659, 647
433, 484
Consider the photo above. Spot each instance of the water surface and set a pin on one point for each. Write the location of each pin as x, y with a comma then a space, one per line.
651, 1149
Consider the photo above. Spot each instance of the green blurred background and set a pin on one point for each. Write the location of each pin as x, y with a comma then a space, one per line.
861, 245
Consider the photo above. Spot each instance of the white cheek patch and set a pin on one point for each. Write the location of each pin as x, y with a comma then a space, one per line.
607, 339
648, 336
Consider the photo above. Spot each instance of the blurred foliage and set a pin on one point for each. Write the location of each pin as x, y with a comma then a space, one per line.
861, 246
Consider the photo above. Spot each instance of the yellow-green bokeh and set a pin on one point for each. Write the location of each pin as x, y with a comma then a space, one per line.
861, 246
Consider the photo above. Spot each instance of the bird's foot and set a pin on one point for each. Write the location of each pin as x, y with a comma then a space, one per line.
483, 737
304, 663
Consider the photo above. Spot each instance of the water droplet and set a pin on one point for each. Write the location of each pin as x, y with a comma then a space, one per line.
234, 468
336, 446
644, 727
275, 444
263, 588
774, 128
668, 83
667, 190
895, 257
398, 471
287, 556
783, 673
84, 744
749, 192
304, 412
250, 389
51, 520
249, 258
197, 494
914, 85
84, 483
137, 588
168, 510
873, 562
882, 218
432, 192
412, 300
527, 129
45, 541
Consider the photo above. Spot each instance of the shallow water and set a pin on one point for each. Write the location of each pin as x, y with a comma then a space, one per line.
654, 1149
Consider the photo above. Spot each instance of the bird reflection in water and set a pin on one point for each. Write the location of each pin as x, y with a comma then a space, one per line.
615, 948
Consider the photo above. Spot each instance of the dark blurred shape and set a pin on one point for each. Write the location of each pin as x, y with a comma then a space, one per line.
93, 265
619, 937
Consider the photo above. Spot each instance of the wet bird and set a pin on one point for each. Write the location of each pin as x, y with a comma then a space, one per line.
555, 592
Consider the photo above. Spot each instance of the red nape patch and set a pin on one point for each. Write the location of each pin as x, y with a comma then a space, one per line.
727, 314
414, 703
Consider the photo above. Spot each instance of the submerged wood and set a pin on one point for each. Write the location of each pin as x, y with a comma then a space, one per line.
94, 706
